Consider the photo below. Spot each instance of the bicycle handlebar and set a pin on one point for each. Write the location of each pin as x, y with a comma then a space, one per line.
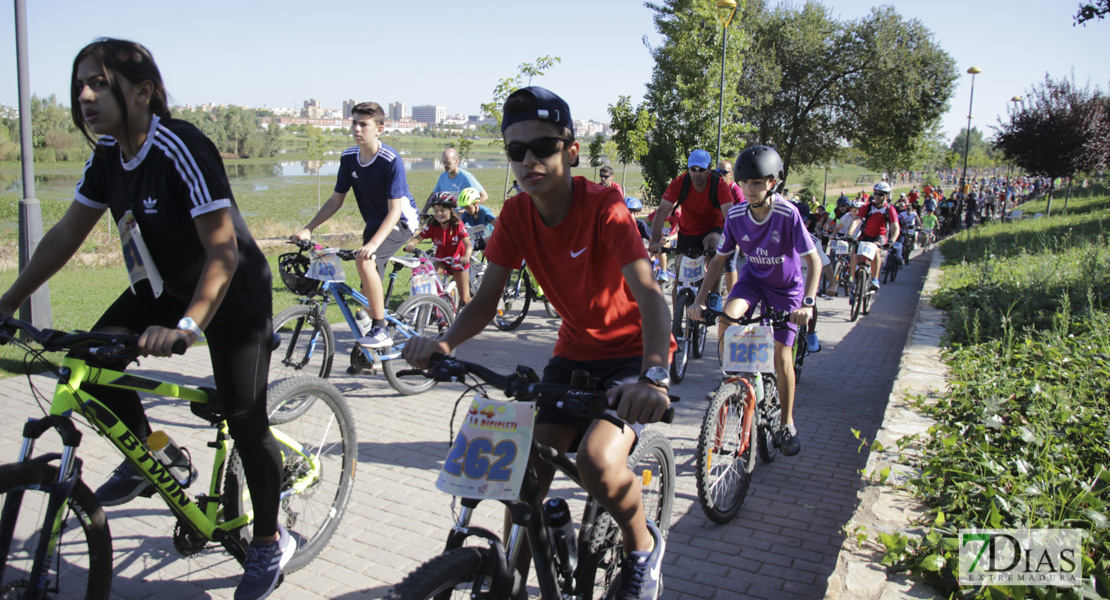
116, 345
306, 245
776, 317
524, 385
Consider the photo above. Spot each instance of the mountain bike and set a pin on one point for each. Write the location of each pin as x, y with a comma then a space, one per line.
521, 290
690, 267
307, 341
893, 263
860, 294
841, 250
565, 568
926, 239
743, 417
54, 535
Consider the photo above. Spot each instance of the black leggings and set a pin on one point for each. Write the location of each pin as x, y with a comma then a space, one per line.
240, 346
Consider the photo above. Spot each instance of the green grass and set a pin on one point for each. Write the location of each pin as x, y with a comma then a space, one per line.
1022, 434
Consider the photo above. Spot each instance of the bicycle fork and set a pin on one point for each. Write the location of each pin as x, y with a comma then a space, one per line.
68, 475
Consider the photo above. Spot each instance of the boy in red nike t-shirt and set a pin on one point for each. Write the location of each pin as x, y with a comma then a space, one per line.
586, 253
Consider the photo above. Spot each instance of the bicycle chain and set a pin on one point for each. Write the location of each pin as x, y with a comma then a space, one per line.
187, 541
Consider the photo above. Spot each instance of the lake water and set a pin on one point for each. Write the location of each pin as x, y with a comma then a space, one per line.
331, 167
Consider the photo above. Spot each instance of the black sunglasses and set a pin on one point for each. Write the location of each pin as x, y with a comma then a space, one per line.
723, 171
541, 147
605, 176
697, 170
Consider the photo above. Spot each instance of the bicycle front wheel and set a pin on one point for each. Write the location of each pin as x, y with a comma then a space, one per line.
652, 463
514, 301
82, 563
683, 334
699, 330
447, 576
319, 450
425, 316
726, 453
307, 344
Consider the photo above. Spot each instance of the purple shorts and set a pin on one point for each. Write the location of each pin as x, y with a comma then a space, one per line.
752, 291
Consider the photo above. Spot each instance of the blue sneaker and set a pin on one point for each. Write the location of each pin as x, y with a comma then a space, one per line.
263, 566
812, 344
377, 337
125, 484
641, 576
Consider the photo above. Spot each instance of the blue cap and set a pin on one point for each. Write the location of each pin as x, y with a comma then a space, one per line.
699, 158
549, 107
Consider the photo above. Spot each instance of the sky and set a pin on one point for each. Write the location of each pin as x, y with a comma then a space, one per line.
281, 53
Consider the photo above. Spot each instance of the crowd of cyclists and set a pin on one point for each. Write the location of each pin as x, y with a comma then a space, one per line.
196, 271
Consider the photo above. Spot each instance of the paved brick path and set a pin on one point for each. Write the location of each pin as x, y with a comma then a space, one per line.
784, 543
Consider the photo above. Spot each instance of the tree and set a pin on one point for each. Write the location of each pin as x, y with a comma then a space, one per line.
315, 152
596, 149
507, 86
1091, 10
684, 89
1059, 130
463, 146
880, 83
632, 127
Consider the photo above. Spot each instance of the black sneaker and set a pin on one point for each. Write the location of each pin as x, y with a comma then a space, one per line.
263, 566
125, 484
789, 443
641, 576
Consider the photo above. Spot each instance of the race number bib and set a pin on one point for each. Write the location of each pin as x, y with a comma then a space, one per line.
490, 454
478, 231
868, 250
749, 349
692, 271
326, 266
136, 256
840, 247
422, 283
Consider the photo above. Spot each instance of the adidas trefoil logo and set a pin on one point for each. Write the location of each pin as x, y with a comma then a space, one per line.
151, 205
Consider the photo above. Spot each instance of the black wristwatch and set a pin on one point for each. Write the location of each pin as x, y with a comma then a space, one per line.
657, 376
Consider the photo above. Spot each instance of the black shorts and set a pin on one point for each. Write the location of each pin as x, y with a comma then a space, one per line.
696, 242
393, 242
609, 372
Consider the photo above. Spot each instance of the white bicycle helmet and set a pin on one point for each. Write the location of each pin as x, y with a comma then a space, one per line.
882, 187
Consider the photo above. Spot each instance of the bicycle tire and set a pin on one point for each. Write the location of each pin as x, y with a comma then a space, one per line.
652, 462
514, 301
325, 429
857, 294
84, 563
701, 332
427, 316
441, 577
801, 350
868, 301
681, 332
307, 344
766, 446
724, 462
550, 308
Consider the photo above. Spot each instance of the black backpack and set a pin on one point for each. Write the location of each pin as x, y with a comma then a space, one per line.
714, 181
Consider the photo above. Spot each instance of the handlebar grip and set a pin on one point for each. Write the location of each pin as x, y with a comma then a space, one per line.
179, 347
668, 415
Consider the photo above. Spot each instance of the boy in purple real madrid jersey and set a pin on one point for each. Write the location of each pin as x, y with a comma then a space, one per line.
770, 232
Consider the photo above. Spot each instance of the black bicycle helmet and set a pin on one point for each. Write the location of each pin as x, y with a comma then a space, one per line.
757, 162
843, 202
293, 267
445, 199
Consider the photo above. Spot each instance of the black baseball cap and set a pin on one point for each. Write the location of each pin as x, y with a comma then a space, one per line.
549, 107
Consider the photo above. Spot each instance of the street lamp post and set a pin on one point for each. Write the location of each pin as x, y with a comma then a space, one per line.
731, 6
1015, 100
967, 138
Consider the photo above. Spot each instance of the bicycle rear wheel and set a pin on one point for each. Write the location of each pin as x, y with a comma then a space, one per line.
449, 575
514, 301
868, 300
307, 343
319, 449
680, 326
801, 350
426, 316
726, 453
82, 562
861, 285
652, 462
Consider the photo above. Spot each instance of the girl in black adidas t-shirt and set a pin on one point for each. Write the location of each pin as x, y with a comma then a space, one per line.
193, 265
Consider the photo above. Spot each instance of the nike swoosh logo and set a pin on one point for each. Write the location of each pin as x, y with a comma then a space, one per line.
574, 254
